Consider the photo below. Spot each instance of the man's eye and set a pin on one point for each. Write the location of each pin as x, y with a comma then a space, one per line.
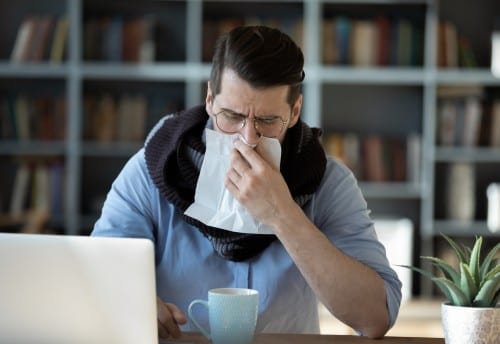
267, 121
234, 117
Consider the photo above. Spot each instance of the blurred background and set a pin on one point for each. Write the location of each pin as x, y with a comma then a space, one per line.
402, 89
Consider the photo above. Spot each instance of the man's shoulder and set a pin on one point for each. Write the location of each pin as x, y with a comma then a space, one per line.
158, 125
336, 168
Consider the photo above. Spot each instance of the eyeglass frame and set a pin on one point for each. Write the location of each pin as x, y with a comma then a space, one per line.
255, 125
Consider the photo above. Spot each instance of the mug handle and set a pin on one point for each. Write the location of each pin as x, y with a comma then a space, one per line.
205, 332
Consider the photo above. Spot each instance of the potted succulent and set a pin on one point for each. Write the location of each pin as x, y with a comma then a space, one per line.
471, 313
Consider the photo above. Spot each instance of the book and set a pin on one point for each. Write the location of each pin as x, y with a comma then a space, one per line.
413, 158
343, 34
460, 192
404, 42
363, 43
6, 126
352, 153
40, 45
459, 128
466, 56
441, 45
472, 122
147, 50
24, 39
23, 117
20, 190
60, 121
397, 159
373, 160
139, 108
41, 188
132, 39
446, 122
383, 33
112, 40
59, 40
450, 45
329, 42
45, 118
105, 120
125, 118
495, 124
334, 146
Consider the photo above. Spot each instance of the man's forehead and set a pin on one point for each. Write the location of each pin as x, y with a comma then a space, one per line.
237, 92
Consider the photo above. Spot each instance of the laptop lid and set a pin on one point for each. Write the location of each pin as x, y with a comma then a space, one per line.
75, 289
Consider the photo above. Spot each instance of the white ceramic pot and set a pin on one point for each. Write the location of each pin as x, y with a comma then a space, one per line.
470, 325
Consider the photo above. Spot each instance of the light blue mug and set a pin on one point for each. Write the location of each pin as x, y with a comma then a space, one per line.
232, 315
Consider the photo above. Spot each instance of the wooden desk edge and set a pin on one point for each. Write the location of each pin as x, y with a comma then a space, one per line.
292, 338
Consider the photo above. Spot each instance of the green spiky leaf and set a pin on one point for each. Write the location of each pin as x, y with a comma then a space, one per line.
421, 271
491, 274
487, 295
489, 261
474, 266
451, 291
467, 283
448, 271
461, 254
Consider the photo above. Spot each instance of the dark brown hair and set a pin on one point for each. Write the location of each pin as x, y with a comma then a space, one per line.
261, 56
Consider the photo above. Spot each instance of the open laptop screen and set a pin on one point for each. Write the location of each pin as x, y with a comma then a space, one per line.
75, 289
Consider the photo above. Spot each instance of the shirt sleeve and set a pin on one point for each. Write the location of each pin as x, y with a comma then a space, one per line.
341, 212
127, 210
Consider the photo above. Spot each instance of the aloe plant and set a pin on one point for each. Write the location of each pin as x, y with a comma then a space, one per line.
475, 283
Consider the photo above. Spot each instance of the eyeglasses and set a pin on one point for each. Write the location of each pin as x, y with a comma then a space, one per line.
231, 123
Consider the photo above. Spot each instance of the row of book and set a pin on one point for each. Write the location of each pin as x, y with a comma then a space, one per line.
380, 41
41, 38
32, 117
109, 118
465, 119
38, 185
120, 39
376, 158
212, 29
123, 117
361, 42
454, 49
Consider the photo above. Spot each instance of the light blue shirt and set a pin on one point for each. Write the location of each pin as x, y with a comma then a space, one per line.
187, 266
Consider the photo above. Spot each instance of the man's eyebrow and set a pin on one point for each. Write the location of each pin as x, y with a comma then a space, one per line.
233, 112
243, 115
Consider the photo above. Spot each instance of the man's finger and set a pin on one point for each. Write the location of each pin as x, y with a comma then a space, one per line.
178, 315
247, 152
162, 331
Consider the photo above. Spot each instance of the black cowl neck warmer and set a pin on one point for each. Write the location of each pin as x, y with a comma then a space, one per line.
174, 154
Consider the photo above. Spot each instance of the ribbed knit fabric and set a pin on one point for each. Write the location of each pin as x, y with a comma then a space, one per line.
170, 159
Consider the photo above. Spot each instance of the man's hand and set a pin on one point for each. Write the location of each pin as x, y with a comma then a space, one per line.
259, 187
169, 319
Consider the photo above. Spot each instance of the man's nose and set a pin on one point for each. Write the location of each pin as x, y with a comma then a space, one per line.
249, 133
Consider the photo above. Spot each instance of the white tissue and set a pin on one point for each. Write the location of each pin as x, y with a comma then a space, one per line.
213, 203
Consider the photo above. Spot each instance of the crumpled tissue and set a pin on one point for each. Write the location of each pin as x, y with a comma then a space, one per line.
213, 203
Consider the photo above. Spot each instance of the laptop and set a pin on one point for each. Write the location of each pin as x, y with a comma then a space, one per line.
76, 289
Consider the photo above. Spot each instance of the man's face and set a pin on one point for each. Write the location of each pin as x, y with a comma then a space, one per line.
238, 100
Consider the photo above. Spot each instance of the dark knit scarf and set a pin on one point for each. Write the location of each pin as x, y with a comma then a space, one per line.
174, 155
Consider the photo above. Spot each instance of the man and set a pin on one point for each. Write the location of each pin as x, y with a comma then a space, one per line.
324, 245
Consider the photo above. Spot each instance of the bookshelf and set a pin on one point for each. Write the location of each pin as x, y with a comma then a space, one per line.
395, 96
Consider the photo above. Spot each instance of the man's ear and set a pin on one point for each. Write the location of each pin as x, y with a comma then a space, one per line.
296, 112
209, 99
